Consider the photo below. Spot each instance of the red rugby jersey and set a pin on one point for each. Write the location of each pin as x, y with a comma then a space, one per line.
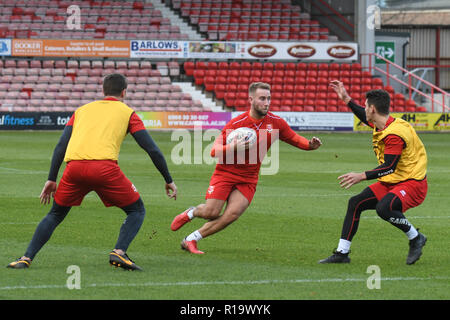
245, 165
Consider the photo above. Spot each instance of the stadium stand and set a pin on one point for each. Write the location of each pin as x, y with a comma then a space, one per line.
99, 20
64, 85
276, 20
295, 86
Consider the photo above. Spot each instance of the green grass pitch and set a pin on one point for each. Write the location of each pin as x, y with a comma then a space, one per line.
271, 252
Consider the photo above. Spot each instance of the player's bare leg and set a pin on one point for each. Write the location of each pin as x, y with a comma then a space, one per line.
236, 206
209, 210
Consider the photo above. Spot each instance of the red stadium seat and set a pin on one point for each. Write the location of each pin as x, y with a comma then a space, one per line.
219, 90
199, 75
189, 68
320, 109
209, 83
223, 65
421, 109
332, 109
229, 98
356, 66
410, 106
241, 104
257, 65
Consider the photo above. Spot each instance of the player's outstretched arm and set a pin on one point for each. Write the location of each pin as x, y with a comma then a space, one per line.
290, 136
146, 142
286, 134
388, 167
341, 92
349, 179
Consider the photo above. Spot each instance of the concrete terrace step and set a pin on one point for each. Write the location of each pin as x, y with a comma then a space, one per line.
196, 94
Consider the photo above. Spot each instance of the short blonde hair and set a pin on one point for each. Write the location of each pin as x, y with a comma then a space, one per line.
257, 85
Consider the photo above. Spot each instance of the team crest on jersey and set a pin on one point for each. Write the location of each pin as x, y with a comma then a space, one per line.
269, 127
210, 189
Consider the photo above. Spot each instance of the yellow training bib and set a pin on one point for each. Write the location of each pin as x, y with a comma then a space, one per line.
413, 160
98, 131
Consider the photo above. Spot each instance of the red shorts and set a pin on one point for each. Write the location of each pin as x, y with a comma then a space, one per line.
221, 186
410, 192
102, 176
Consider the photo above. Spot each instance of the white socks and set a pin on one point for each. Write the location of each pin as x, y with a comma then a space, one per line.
191, 213
194, 236
412, 233
344, 246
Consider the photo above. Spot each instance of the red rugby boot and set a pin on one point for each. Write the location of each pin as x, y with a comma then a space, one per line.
190, 246
180, 220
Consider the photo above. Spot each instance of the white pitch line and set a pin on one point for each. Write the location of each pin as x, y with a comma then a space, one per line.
215, 283
21, 171
21, 223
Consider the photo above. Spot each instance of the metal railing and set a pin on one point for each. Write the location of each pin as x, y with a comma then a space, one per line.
409, 77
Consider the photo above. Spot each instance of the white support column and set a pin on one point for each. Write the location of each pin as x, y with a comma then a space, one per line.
366, 18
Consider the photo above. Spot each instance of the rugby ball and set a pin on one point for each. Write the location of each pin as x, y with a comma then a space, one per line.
243, 132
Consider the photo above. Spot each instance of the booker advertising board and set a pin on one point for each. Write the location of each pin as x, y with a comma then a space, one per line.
70, 48
5, 47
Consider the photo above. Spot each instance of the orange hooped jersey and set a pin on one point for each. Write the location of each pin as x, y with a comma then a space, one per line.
92, 139
413, 160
